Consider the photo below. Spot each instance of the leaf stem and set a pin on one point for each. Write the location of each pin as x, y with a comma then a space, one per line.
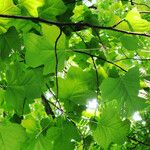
56, 67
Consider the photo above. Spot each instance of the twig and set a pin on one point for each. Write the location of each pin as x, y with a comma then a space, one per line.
97, 78
96, 72
79, 24
140, 142
98, 36
69, 119
141, 59
118, 23
144, 12
56, 106
56, 67
91, 55
132, 3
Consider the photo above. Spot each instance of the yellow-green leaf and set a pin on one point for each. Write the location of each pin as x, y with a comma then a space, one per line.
32, 6
7, 7
136, 22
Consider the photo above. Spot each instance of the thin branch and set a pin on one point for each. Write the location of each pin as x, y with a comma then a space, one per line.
56, 67
141, 59
95, 67
97, 78
144, 12
91, 55
118, 23
79, 24
97, 34
56, 106
140, 142
69, 119
132, 3
81, 135
48, 108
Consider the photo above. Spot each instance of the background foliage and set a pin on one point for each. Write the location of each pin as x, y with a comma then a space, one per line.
74, 75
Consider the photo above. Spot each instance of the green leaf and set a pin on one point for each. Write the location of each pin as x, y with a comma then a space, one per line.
130, 42
52, 8
134, 21
30, 124
26, 26
39, 143
79, 86
40, 49
32, 6
63, 136
124, 2
22, 86
12, 136
110, 128
7, 7
9, 42
81, 113
125, 90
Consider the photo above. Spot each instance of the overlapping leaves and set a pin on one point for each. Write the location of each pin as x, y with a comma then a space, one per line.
79, 86
7, 7
28, 69
22, 86
40, 49
12, 136
110, 128
9, 42
125, 90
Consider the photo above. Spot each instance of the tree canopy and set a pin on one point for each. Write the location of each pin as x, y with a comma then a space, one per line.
74, 74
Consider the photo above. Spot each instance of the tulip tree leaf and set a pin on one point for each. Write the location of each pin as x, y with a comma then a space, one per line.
32, 6
63, 137
12, 136
110, 128
7, 7
21, 88
130, 42
40, 143
79, 86
52, 8
9, 41
40, 49
74, 74
124, 89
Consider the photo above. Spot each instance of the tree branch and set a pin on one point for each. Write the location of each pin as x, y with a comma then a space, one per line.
79, 24
91, 55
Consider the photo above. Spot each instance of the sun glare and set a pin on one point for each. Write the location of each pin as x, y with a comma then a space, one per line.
88, 3
92, 104
48, 94
137, 116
